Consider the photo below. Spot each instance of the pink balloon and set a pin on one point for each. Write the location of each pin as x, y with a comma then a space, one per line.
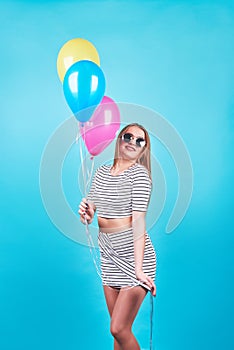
100, 130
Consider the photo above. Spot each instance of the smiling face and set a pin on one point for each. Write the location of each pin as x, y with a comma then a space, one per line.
129, 150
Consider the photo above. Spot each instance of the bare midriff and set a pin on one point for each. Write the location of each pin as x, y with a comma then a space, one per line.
114, 225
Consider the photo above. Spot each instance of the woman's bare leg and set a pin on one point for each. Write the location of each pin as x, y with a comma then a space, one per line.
124, 312
111, 295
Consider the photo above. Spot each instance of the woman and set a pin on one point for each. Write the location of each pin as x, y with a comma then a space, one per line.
120, 194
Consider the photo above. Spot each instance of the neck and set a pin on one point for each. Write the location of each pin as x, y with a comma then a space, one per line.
122, 164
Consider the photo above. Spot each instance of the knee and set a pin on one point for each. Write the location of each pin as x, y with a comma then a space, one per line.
118, 330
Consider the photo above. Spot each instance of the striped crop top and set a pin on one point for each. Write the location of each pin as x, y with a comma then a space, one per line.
116, 196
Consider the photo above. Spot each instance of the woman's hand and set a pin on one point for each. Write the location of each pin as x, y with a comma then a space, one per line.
142, 277
86, 211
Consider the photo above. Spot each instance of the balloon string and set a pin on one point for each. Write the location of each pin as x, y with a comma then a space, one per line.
87, 179
92, 248
82, 159
87, 175
151, 321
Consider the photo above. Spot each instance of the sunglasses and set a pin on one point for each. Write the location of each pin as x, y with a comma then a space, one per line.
140, 142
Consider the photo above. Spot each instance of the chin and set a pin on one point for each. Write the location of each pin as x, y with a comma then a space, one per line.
129, 157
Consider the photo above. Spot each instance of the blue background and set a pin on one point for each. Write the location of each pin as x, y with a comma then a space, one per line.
175, 57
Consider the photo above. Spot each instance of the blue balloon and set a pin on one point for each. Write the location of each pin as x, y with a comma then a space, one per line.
84, 86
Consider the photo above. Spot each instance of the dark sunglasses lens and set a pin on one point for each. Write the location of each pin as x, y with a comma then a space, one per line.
140, 142
127, 137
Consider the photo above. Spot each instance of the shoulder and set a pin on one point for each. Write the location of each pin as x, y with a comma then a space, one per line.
103, 169
139, 171
140, 176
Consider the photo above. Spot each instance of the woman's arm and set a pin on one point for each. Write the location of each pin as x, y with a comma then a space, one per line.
138, 224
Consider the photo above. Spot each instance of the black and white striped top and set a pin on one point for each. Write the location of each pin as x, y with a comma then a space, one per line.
117, 196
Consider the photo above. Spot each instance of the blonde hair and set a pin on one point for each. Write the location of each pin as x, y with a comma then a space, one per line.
144, 158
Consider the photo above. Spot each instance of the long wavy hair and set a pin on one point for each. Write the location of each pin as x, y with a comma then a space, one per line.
144, 157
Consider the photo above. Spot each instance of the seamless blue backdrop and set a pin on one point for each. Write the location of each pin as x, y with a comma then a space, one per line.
175, 57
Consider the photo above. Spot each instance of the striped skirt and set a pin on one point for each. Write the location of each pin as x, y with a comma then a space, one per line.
117, 259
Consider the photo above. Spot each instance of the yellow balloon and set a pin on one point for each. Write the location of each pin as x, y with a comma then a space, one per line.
73, 51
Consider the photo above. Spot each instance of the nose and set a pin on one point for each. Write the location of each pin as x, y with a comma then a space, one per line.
132, 142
